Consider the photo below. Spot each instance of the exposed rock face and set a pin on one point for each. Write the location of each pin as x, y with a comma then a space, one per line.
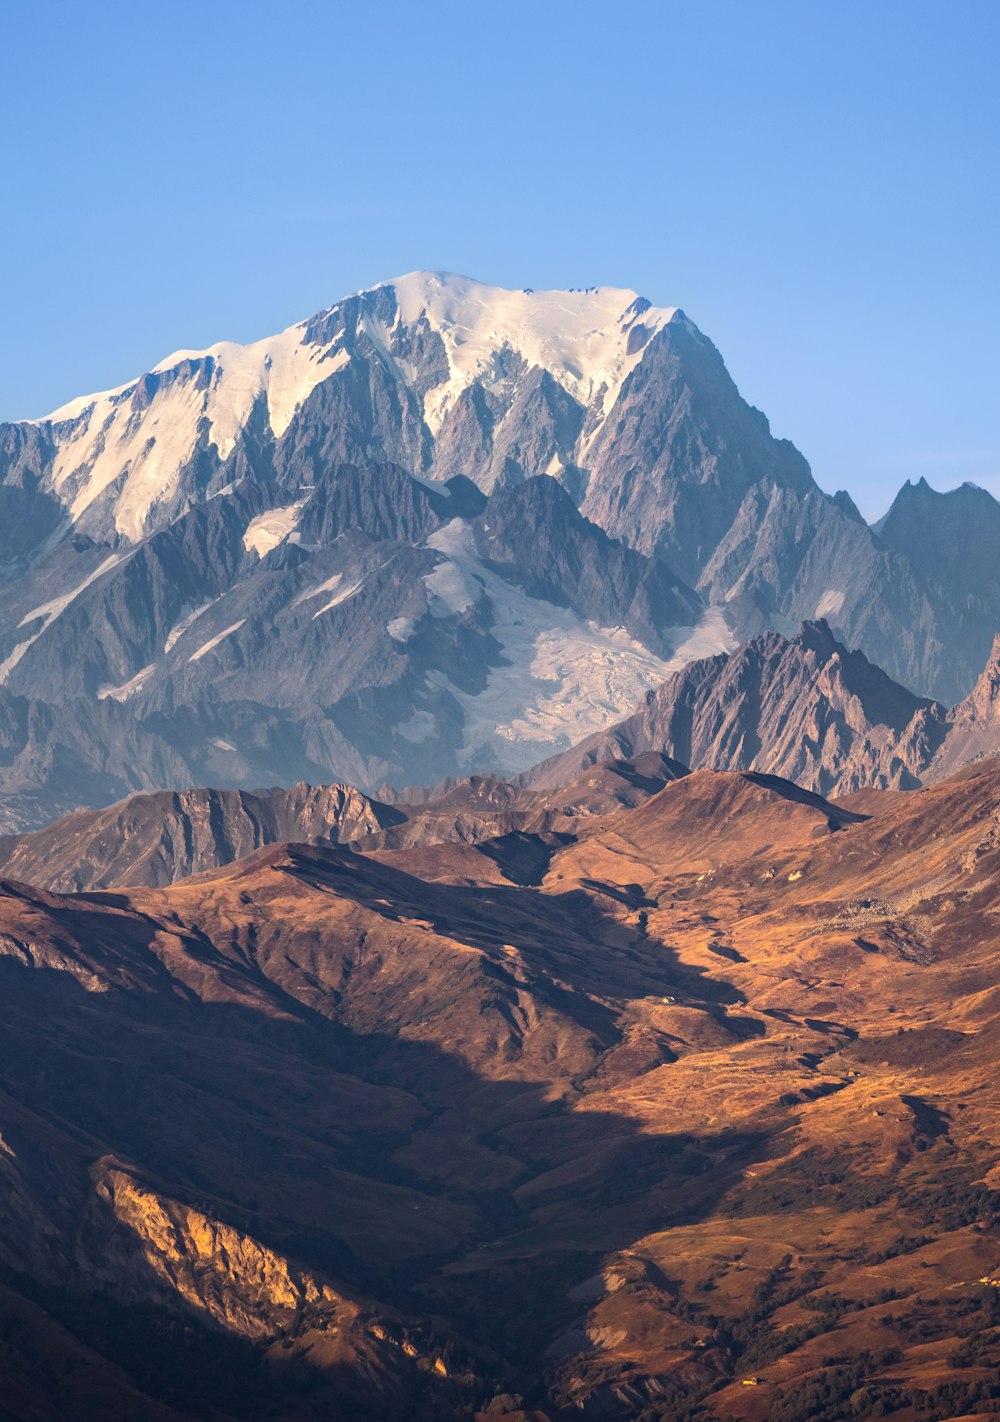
805, 708
533, 534
151, 1248
437, 374
674, 462
981, 708
355, 629
974, 724
413, 1133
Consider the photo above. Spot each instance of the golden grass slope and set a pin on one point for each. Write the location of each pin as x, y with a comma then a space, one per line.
690, 1112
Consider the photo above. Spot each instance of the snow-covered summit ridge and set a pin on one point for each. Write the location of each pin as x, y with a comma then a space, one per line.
580, 336
140, 436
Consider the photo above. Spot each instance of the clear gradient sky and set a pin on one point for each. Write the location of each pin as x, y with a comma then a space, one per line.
816, 183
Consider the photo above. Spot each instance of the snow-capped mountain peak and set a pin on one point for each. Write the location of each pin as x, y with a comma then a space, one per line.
135, 442
328, 553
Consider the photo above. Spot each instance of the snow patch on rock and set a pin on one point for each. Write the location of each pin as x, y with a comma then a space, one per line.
401, 629
420, 727
179, 628
128, 688
339, 597
269, 529
830, 603
213, 642
49, 611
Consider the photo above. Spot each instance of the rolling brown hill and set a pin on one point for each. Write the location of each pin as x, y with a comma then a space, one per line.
155, 839
687, 1111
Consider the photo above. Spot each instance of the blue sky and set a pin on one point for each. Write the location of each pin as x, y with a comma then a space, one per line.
816, 183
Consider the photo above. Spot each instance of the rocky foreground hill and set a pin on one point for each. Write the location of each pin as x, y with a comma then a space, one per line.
687, 1110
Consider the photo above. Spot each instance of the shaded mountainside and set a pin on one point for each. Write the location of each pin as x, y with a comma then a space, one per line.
953, 537
805, 708
438, 528
709, 1094
394, 631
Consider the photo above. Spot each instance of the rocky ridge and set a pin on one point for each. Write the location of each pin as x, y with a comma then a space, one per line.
159, 838
805, 708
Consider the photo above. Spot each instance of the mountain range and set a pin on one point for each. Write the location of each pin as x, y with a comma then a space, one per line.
804, 708
437, 529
